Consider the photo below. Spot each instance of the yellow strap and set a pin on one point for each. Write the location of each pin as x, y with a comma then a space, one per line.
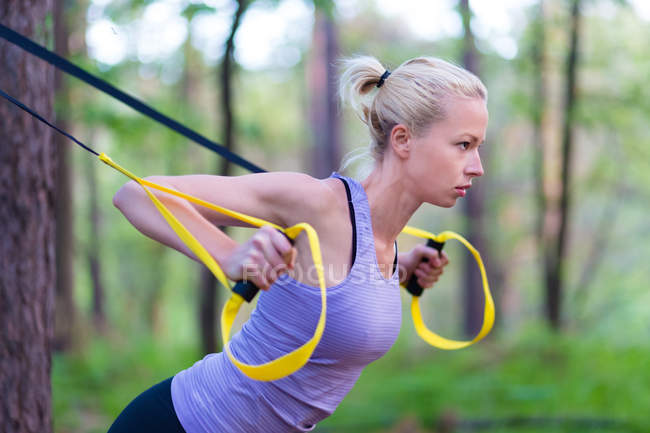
277, 368
488, 312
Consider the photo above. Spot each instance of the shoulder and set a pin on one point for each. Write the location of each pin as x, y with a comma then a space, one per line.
305, 198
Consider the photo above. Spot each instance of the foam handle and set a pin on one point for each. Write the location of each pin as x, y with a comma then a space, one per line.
413, 287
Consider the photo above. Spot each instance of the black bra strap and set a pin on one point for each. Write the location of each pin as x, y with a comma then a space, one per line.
395, 261
354, 226
353, 219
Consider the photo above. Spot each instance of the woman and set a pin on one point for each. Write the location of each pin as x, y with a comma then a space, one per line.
427, 120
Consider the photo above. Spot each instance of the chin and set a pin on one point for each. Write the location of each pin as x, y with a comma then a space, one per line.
443, 203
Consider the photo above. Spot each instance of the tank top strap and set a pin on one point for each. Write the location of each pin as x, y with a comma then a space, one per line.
359, 209
360, 215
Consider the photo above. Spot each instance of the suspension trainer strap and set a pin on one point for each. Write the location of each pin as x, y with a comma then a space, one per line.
64, 65
488, 311
284, 365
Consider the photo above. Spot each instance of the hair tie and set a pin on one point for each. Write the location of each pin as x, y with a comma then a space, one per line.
383, 78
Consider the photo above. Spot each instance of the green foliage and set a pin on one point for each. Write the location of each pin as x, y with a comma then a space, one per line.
535, 374
90, 388
531, 374
196, 8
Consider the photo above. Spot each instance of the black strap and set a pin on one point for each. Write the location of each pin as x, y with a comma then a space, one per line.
354, 226
395, 260
353, 219
98, 83
39, 117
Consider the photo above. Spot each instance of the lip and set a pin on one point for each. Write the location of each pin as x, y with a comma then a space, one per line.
462, 190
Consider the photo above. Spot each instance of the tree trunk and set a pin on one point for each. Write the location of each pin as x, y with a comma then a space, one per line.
473, 209
538, 110
556, 254
325, 123
208, 299
93, 252
28, 162
65, 311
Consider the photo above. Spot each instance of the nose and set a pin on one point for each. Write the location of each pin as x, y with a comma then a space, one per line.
474, 167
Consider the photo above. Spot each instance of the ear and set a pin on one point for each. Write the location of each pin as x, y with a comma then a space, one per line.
401, 140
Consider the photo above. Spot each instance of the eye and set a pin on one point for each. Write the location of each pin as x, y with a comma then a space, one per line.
465, 144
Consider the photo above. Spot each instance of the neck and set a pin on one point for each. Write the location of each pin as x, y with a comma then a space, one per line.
391, 201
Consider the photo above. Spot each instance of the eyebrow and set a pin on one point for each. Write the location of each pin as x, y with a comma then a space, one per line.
474, 138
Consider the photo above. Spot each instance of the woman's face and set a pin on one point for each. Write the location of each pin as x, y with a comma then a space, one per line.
445, 159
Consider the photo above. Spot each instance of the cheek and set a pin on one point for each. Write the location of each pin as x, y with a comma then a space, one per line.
427, 159
439, 163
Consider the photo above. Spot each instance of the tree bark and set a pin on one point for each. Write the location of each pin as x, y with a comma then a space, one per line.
325, 123
556, 255
208, 299
474, 207
65, 311
28, 162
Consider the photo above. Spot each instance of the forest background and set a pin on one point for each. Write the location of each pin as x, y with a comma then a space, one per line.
560, 217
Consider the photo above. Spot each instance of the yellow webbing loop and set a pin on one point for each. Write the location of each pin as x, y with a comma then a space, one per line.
277, 368
488, 312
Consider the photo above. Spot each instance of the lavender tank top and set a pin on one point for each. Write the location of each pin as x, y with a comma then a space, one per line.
362, 323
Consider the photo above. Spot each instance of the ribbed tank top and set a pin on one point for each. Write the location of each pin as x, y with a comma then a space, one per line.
363, 320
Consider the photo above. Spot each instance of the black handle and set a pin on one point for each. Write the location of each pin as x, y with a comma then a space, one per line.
413, 287
248, 290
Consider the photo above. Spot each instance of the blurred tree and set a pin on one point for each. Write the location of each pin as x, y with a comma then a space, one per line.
93, 253
555, 255
208, 283
65, 311
538, 110
473, 204
322, 81
28, 162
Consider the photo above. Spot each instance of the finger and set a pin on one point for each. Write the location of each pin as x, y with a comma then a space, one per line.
253, 273
425, 267
420, 274
284, 247
420, 252
444, 259
279, 240
425, 283
262, 282
272, 273
426, 280
292, 258
432, 255
262, 241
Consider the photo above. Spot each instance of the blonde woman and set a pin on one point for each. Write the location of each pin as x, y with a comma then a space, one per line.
427, 120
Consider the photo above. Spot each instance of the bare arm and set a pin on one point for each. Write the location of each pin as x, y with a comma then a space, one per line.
140, 211
277, 197
281, 198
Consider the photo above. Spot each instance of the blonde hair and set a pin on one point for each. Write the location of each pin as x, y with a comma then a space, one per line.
413, 95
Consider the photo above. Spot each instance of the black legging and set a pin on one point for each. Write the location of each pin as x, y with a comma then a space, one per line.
152, 411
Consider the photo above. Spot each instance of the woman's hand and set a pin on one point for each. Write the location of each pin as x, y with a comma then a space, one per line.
426, 272
261, 259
